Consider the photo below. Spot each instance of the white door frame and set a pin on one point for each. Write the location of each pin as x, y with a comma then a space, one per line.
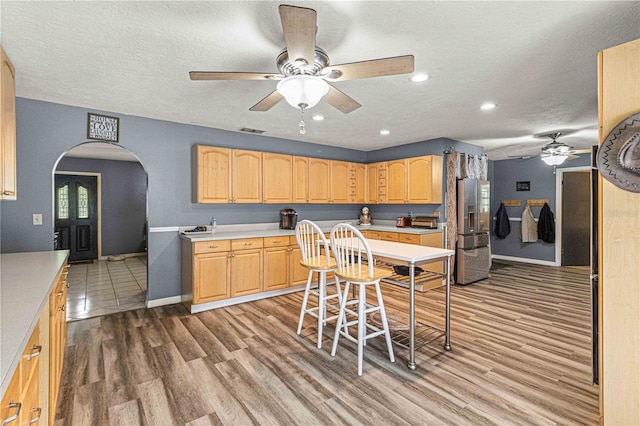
559, 176
99, 176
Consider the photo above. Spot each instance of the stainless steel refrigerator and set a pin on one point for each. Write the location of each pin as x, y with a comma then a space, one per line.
473, 256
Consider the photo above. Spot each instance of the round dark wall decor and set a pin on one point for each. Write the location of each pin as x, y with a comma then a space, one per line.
619, 155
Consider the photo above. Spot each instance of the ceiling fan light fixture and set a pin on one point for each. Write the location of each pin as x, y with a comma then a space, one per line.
554, 160
299, 90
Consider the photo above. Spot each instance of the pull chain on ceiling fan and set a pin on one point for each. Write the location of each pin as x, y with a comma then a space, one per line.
305, 71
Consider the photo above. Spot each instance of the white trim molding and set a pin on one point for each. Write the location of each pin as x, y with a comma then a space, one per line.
524, 260
162, 302
201, 307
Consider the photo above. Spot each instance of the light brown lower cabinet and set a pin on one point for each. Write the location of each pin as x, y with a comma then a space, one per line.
57, 338
218, 270
21, 402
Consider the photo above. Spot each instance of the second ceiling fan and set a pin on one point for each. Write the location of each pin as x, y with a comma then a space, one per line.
305, 72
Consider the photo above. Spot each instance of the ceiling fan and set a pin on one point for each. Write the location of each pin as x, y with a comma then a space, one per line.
555, 153
305, 72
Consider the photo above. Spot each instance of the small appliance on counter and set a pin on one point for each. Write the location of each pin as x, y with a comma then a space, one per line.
428, 222
403, 222
288, 219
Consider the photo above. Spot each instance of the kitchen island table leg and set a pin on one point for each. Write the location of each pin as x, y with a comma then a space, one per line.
412, 316
447, 340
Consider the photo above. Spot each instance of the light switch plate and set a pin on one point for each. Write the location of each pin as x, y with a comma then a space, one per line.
37, 218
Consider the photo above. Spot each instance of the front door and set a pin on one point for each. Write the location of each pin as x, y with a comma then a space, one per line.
576, 218
76, 216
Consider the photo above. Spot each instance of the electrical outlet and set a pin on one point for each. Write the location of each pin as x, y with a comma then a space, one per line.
37, 218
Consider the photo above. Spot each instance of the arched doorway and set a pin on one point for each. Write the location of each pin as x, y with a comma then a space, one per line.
100, 216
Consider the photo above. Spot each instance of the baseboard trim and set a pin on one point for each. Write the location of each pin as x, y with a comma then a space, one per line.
123, 255
162, 302
201, 307
524, 260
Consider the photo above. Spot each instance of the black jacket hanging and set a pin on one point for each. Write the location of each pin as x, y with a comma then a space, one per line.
503, 227
546, 225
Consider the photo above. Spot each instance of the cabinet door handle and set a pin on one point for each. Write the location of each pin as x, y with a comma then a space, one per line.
8, 193
212, 246
18, 407
60, 293
248, 244
277, 242
38, 349
62, 308
35, 419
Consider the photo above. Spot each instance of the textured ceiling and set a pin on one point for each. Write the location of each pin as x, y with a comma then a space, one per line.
535, 60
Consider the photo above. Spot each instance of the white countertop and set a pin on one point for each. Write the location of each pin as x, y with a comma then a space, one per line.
238, 232
26, 280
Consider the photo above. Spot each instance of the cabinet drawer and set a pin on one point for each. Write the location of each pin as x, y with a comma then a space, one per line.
246, 243
211, 246
409, 238
277, 241
30, 357
293, 241
389, 236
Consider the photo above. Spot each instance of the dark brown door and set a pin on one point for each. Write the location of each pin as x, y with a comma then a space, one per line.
76, 218
576, 218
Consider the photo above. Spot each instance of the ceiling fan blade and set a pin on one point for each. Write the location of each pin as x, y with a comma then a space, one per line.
267, 102
372, 68
207, 75
340, 101
299, 28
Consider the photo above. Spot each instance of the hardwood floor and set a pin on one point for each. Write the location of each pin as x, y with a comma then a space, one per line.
520, 355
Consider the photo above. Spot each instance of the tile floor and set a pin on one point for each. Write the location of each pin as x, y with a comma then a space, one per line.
104, 287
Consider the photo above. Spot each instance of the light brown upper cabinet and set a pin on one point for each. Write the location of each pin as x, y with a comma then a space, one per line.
319, 183
416, 180
8, 133
223, 175
277, 178
300, 180
358, 183
211, 174
424, 180
372, 183
340, 172
247, 176
397, 182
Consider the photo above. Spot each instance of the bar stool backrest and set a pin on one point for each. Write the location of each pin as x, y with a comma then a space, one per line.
311, 240
350, 248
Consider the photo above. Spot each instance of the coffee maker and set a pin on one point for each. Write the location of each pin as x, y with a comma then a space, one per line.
288, 219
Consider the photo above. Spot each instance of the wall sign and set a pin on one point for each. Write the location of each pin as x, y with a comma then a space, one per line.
103, 127
523, 186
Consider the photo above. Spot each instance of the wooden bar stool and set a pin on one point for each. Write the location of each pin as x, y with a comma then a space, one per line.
351, 250
312, 243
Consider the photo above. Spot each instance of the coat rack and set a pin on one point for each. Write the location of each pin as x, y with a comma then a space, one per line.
512, 203
538, 202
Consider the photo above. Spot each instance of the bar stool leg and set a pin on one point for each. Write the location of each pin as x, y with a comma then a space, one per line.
322, 308
304, 301
341, 319
362, 326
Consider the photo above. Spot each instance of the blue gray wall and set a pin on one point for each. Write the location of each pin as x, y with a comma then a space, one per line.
45, 131
543, 185
124, 202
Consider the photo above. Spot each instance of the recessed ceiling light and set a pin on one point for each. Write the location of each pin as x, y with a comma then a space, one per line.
488, 105
419, 78
318, 117
384, 132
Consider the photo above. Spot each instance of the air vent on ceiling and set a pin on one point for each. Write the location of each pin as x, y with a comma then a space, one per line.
248, 130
